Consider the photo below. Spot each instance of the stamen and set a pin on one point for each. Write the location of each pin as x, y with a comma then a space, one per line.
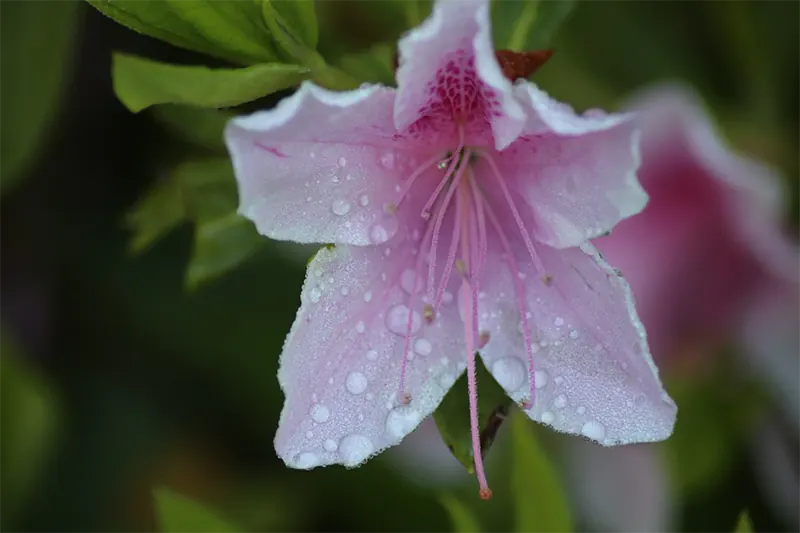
391, 208
517, 218
455, 158
482, 242
451, 257
483, 338
437, 228
520, 292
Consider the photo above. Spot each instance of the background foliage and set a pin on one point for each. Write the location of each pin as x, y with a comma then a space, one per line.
142, 319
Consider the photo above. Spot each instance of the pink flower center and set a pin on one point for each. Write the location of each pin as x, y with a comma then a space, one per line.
459, 194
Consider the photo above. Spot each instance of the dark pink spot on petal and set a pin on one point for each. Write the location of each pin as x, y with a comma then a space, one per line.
270, 149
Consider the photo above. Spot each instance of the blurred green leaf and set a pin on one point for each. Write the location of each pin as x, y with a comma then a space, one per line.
744, 525
527, 24
197, 126
140, 83
286, 23
462, 518
375, 65
28, 424
179, 514
36, 44
416, 11
232, 26
540, 504
299, 17
203, 192
452, 415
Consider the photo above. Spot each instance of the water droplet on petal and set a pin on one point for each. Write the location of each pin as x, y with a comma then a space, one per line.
363, 200
559, 321
342, 162
593, 430
548, 417
402, 421
423, 346
355, 449
305, 460
509, 372
446, 381
560, 402
356, 383
372, 355
368, 296
397, 320
360, 327
540, 379
314, 294
407, 279
320, 413
581, 409
341, 207
574, 334
378, 234
330, 445
387, 160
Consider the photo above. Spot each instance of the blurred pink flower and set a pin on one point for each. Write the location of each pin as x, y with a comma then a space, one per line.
464, 204
710, 238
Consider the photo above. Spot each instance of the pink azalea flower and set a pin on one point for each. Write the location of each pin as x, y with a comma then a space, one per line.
711, 231
463, 203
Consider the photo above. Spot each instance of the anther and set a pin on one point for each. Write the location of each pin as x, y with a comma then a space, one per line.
427, 313
486, 494
461, 266
526, 404
406, 399
441, 165
390, 208
547, 279
483, 338
426, 215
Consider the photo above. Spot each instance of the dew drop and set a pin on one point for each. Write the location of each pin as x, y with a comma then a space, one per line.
540, 379
560, 402
397, 320
360, 327
401, 421
345, 291
548, 417
559, 321
363, 200
342, 162
423, 346
368, 296
356, 383
378, 234
509, 373
593, 430
372, 355
354, 449
574, 334
581, 409
407, 279
330, 445
320, 413
387, 160
306, 460
314, 294
341, 207
446, 381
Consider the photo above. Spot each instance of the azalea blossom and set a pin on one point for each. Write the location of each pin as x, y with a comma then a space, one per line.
460, 205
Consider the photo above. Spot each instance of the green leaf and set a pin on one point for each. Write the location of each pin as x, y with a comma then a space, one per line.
140, 83
197, 126
34, 69
179, 514
540, 504
300, 19
156, 19
464, 521
203, 192
452, 415
375, 65
416, 11
528, 24
235, 27
285, 32
28, 427
744, 525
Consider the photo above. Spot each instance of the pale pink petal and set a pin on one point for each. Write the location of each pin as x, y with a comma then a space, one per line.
593, 372
624, 488
577, 175
448, 74
341, 364
320, 166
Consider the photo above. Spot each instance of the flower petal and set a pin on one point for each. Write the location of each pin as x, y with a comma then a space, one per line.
593, 371
320, 166
579, 184
448, 74
340, 367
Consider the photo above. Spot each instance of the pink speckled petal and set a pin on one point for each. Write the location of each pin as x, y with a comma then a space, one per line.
448, 74
340, 367
578, 186
320, 166
593, 371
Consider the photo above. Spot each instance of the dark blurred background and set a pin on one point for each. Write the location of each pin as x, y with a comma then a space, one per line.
116, 379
